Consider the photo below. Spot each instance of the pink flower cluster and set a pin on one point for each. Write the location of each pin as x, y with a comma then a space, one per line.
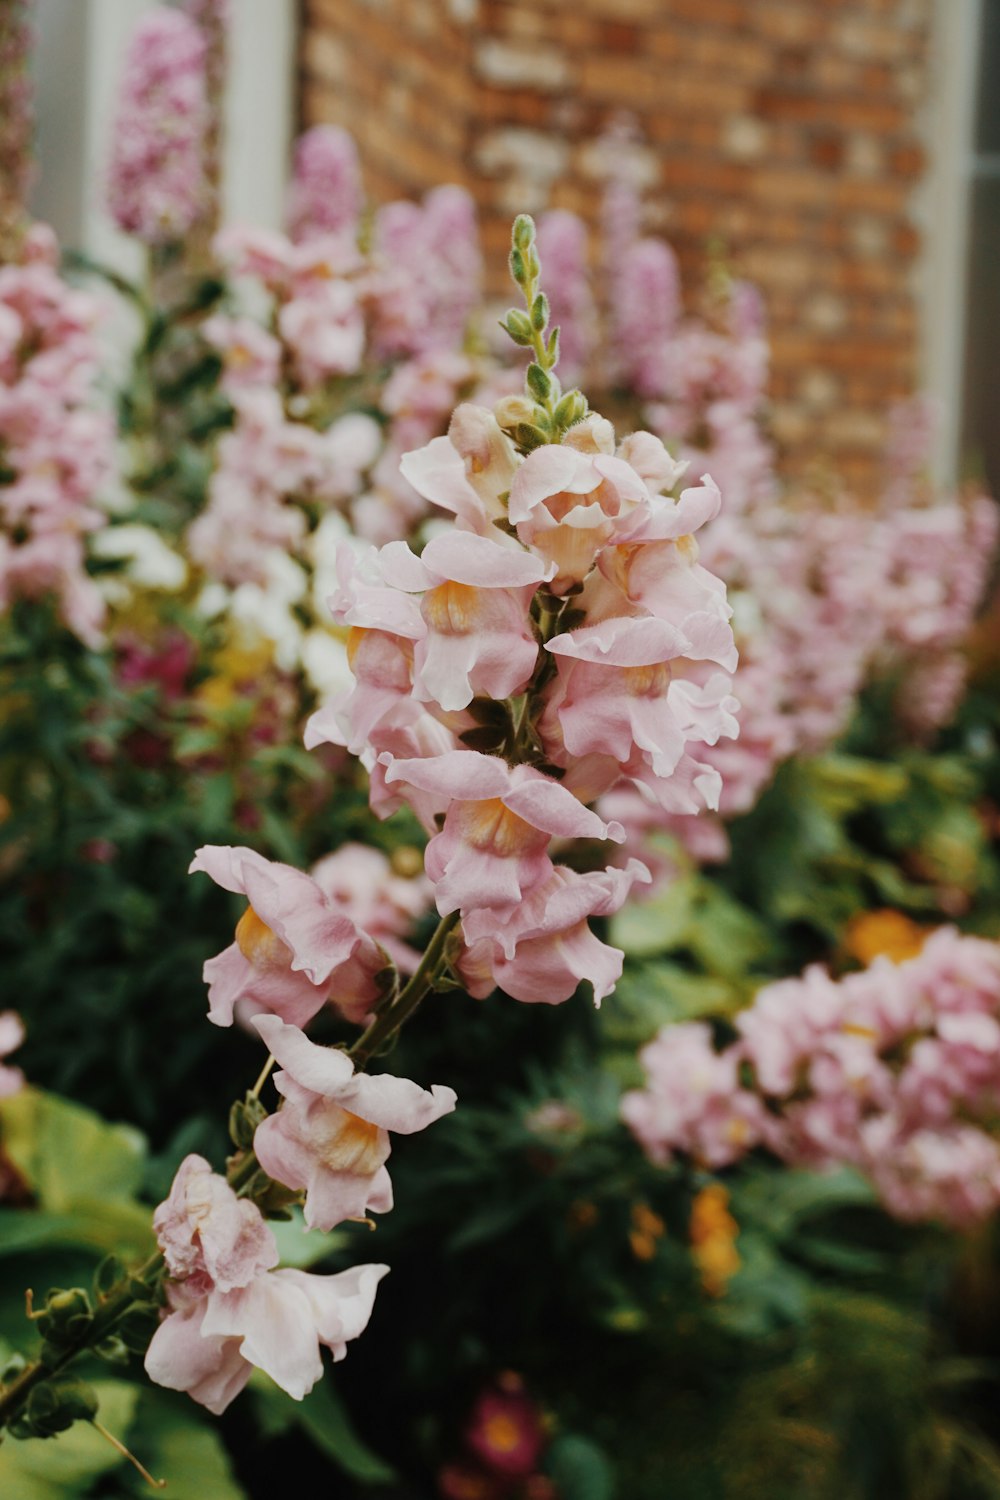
563, 245
55, 447
894, 1070
11, 1037
325, 195
229, 1310
582, 620
156, 176
426, 269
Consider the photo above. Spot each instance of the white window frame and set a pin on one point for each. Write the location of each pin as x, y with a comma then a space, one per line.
944, 210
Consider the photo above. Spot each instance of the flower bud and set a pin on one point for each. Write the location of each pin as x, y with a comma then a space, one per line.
538, 382
540, 312
523, 233
57, 1404
518, 326
511, 410
571, 409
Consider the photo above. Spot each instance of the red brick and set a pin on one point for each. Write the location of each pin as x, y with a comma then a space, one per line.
800, 215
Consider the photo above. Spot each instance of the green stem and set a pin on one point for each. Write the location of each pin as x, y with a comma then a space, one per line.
114, 1307
421, 983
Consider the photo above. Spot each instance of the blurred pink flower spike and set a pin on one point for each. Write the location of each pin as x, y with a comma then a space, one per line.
331, 1137
491, 851
294, 949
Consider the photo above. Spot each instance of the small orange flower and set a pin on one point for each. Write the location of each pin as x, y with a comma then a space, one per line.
713, 1232
886, 932
647, 1228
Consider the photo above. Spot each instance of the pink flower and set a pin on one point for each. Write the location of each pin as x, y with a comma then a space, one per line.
542, 950
567, 505
11, 1037
361, 882
208, 1345
692, 1101
294, 950
331, 1136
562, 246
478, 636
204, 1229
505, 1430
492, 849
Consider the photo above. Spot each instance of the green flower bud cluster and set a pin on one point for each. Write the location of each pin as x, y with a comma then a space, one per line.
553, 413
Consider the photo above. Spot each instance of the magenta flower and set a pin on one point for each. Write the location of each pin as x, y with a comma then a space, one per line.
331, 1136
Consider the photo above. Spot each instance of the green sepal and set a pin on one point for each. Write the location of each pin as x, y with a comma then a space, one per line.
539, 312
136, 1327
538, 382
110, 1271
527, 436
517, 326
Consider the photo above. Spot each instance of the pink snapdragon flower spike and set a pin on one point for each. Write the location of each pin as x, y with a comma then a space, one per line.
204, 1229
57, 444
156, 177
562, 244
325, 195
331, 1136
294, 950
492, 849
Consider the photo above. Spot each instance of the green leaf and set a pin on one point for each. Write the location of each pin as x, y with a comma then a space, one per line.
322, 1416
580, 1468
67, 1153
175, 1444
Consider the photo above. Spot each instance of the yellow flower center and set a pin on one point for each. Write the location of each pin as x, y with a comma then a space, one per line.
258, 944
647, 682
453, 608
345, 1142
502, 1432
493, 827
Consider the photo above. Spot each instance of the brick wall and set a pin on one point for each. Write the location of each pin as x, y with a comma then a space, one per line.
787, 127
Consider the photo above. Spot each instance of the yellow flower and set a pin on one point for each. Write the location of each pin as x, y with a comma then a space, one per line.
887, 932
713, 1232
